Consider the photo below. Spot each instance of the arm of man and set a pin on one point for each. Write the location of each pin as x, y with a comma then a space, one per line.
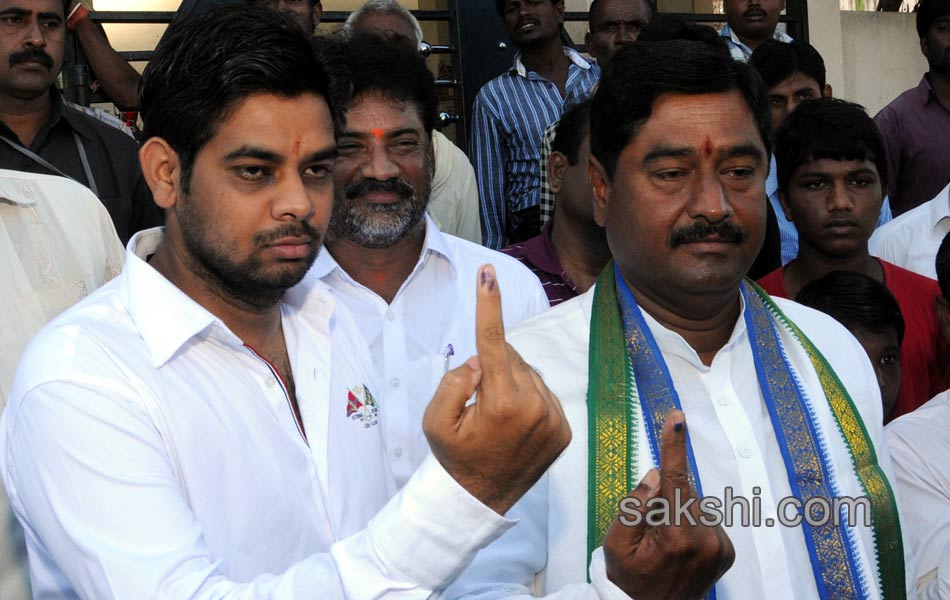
926, 518
103, 496
89, 472
489, 166
118, 78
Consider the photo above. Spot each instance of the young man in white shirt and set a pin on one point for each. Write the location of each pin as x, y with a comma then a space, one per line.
198, 429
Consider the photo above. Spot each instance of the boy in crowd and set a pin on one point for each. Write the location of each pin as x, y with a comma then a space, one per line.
870, 312
832, 174
794, 72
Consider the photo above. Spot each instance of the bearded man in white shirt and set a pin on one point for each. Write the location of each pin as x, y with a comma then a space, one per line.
198, 429
779, 400
409, 287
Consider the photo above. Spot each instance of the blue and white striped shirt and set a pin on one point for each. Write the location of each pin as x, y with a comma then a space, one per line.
510, 114
740, 51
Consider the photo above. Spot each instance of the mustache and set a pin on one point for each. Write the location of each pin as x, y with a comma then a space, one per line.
725, 231
369, 186
300, 229
754, 11
32, 55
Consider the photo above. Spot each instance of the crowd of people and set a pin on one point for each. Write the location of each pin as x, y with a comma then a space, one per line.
676, 325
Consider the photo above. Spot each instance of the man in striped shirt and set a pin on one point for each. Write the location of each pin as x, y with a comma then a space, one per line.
511, 112
571, 250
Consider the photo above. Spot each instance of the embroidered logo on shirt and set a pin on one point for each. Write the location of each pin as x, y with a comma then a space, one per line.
362, 406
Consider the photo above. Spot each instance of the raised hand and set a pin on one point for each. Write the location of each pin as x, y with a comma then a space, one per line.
669, 561
498, 447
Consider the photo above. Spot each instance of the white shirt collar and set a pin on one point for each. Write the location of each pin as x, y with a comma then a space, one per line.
940, 207
18, 190
576, 57
434, 242
168, 318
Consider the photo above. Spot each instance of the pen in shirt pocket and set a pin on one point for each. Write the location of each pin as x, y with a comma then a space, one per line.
449, 353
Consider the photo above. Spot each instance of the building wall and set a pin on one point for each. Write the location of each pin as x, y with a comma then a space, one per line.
882, 56
871, 57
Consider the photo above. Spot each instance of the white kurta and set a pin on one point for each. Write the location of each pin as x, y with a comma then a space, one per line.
150, 454
731, 434
57, 245
920, 445
453, 200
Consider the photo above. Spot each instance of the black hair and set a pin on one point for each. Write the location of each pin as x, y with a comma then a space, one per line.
664, 28
207, 63
929, 11
651, 4
942, 264
777, 61
827, 128
640, 73
500, 6
571, 130
858, 302
393, 70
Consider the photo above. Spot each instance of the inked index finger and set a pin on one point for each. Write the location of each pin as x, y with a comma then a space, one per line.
490, 333
674, 469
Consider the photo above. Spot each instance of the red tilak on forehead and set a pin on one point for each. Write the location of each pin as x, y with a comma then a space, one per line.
297, 147
708, 148
376, 131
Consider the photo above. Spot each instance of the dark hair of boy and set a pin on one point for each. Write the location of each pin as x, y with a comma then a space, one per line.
827, 129
856, 301
777, 61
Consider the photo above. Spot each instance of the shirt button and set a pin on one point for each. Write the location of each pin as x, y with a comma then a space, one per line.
397, 452
394, 382
724, 400
390, 316
271, 383
745, 452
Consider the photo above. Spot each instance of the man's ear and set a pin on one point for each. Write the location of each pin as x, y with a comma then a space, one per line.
600, 184
827, 92
557, 164
588, 43
559, 9
317, 14
783, 200
923, 46
161, 168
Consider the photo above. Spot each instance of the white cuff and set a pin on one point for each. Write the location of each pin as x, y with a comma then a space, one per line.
426, 535
606, 589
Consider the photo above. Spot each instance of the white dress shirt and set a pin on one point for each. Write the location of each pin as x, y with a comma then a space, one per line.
912, 239
435, 307
453, 200
732, 437
920, 447
150, 453
57, 245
